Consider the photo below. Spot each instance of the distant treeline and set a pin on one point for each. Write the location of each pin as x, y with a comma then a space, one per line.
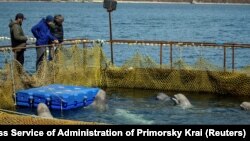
187, 1
196, 1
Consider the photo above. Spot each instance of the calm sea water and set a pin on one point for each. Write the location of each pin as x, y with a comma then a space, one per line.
179, 22
130, 106
182, 22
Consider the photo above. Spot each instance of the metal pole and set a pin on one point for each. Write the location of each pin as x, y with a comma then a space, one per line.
225, 56
110, 33
83, 45
161, 55
171, 56
233, 58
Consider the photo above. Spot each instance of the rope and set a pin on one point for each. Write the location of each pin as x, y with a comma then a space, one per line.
17, 113
23, 114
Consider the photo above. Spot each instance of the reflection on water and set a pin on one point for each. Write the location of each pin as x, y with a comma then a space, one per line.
129, 106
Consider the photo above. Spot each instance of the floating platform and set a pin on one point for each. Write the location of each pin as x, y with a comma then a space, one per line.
57, 96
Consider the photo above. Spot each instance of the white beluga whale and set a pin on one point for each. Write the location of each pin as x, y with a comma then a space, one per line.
182, 101
100, 101
43, 111
162, 97
245, 105
131, 118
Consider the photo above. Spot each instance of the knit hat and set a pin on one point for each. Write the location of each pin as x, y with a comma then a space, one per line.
20, 16
49, 18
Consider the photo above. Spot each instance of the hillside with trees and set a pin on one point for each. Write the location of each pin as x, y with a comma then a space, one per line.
197, 1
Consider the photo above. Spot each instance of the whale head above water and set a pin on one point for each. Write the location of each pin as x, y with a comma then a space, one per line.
182, 101
100, 101
43, 111
245, 105
162, 97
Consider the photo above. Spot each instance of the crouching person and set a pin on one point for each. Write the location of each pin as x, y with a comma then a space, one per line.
41, 32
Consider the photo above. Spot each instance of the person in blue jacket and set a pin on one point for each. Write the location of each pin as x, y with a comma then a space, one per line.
41, 32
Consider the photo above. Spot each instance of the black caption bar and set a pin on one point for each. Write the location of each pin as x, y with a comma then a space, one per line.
169, 131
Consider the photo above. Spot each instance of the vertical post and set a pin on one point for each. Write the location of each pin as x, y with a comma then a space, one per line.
83, 45
225, 60
161, 55
13, 57
110, 40
84, 62
53, 47
233, 58
171, 56
110, 5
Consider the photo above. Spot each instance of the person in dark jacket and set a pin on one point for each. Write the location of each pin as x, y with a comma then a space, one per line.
18, 39
43, 36
57, 29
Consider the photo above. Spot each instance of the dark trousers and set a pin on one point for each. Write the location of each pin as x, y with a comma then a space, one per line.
40, 55
19, 56
39, 61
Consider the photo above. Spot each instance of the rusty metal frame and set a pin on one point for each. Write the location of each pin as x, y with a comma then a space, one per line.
161, 44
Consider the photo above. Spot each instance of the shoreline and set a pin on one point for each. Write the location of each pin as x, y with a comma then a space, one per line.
198, 3
131, 2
